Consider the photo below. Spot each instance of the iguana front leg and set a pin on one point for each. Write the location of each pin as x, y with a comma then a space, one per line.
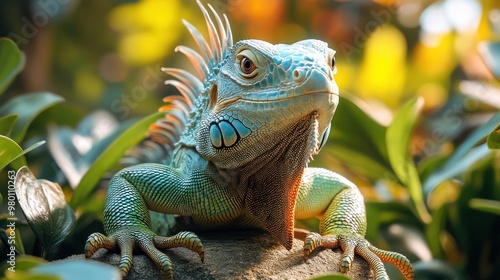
340, 204
131, 193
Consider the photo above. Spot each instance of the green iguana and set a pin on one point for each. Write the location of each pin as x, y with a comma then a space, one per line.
238, 143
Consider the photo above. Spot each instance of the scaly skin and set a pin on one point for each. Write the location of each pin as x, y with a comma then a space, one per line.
258, 113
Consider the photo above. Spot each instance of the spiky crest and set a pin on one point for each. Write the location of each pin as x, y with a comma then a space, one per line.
163, 135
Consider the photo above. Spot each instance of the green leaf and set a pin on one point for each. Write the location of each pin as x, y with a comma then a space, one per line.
429, 164
22, 264
7, 123
44, 205
110, 157
78, 269
464, 156
479, 134
494, 138
96, 131
436, 269
11, 62
26, 262
10, 151
19, 242
358, 141
380, 214
21, 275
398, 139
434, 229
486, 205
27, 106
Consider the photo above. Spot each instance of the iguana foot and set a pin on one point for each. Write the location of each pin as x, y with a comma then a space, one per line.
351, 244
126, 240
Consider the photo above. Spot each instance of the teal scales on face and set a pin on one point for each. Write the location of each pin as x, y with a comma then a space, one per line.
235, 149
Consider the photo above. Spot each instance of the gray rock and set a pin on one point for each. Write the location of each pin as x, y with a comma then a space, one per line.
241, 255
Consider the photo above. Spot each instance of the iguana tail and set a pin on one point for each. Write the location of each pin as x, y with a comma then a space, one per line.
165, 133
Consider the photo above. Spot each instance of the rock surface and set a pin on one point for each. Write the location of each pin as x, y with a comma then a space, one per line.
241, 255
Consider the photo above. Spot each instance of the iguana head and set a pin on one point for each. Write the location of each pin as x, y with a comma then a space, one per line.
262, 112
262, 95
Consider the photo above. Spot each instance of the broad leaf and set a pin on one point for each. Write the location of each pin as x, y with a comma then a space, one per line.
78, 269
486, 205
357, 140
133, 135
27, 106
76, 150
11, 62
7, 123
463, 157
398, 139
436, 269
23, 263
494, 138
44, 205
460, 166
27, 262
10, 151
380, 214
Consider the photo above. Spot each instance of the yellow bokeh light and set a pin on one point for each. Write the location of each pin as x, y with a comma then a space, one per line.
382, 73
437, 59
345, 74
434, 95
149, 28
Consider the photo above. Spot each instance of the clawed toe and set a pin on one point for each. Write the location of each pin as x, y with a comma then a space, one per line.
147, 241
184, 239
315, 240
353, 244
97, 241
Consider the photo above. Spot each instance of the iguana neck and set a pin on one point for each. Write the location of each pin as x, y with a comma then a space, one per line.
279, 168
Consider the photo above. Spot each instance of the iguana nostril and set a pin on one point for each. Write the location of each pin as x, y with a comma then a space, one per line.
298, 75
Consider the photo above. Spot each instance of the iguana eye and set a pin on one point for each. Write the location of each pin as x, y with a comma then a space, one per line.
248, 62
247, 66
331, 57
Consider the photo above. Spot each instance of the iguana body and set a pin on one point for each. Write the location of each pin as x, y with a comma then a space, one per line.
251, 123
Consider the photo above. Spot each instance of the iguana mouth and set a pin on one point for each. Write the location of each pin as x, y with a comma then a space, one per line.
288, 97
226, 103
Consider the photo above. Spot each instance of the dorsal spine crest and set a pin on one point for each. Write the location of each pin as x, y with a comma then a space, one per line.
183, 113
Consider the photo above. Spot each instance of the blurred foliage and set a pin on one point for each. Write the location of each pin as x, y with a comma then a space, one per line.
417, 128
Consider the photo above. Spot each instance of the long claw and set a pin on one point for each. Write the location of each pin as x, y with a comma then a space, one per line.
356, 244
184, 239
126, 240
315, 240
97, 241
159, 258
348, 247
374, 261
396, 259
126, 249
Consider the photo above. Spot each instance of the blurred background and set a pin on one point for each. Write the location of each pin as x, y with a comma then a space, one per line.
444, 55
96, 52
